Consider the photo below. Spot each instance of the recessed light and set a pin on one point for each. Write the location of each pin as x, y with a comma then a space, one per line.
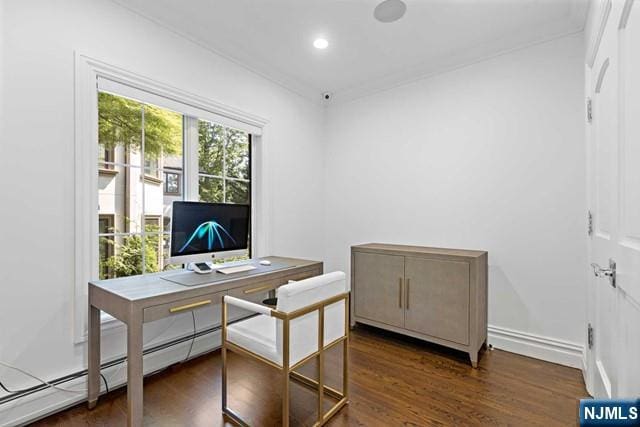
320, 43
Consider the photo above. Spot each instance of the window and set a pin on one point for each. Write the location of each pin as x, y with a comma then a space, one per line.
151, 167
106, 158
224, 164
141, 172
108, 169
142, 138
172, 183
105, 230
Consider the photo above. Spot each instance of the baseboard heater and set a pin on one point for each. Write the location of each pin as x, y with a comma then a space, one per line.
70, 377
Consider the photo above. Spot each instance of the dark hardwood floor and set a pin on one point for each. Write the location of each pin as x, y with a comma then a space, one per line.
395, 381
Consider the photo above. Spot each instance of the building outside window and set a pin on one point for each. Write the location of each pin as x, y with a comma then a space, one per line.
106, 241
172, 183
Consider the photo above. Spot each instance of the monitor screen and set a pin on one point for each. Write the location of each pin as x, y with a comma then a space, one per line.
198, 228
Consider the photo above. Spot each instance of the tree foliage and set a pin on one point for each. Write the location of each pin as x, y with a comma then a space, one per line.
127, 260
120, 124
223, 152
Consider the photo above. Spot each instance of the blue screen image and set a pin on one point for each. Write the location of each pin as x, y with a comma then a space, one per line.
208, 227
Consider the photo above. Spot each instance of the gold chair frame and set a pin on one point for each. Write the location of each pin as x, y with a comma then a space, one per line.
288, 371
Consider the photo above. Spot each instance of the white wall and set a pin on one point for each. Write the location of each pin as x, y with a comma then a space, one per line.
490, 156
37, 165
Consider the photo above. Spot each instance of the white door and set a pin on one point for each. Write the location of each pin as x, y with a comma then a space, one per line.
614, 201
628, 248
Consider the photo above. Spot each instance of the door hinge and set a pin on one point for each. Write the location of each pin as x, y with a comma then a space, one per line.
589, 223
589, 110
590, 335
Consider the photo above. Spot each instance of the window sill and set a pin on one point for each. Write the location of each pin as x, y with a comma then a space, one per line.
108, 172
152, 179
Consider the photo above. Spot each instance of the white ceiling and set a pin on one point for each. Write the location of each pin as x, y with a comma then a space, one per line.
274, 37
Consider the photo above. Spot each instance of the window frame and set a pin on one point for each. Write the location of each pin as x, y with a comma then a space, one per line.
88, 72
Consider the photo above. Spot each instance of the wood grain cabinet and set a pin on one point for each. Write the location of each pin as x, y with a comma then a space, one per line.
435, 294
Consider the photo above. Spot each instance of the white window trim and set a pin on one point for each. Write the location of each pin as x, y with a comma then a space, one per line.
87, 72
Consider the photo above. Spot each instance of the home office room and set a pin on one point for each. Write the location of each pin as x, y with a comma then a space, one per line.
304, 213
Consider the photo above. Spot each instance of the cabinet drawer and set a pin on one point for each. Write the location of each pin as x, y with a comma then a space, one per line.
182, 306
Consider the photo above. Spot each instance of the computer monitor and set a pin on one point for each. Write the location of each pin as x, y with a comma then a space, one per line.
202, 231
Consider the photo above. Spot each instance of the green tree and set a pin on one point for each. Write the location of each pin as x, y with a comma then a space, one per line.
127, 260
223, 152
120, 123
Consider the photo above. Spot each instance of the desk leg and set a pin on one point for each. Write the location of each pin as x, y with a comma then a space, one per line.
134, 371
93, 357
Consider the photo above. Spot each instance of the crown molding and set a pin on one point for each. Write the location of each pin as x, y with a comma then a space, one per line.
375, 87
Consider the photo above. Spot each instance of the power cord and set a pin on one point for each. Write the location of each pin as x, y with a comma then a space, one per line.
147, 341
104, 379
193, 338
106, 385
22, 371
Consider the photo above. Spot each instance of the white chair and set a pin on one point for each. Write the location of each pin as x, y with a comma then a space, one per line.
311, 316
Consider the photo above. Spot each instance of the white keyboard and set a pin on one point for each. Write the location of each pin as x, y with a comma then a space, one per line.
235, 269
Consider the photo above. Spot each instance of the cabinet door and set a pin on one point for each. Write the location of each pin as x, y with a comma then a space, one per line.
378, 288
437, 298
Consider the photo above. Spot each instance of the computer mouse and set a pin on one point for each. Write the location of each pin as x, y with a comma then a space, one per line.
265, 262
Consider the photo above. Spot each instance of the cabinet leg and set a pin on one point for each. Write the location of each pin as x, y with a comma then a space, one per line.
474, 359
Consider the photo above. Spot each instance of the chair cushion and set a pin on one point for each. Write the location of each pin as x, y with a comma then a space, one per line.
258, 335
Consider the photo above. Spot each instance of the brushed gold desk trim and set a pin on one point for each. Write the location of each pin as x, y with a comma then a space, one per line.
254, 290
190, 306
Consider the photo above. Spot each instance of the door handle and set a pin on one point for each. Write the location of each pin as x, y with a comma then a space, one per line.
406, 294
400, 292
609, 273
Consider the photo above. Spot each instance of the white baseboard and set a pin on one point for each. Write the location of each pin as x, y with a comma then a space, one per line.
38, 405
550, 349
